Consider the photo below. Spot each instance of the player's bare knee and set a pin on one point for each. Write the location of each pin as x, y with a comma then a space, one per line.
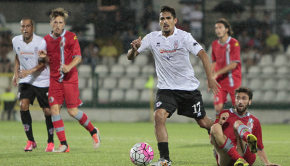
72, 112
46, 111
54, 110
24, 106
159, 116
202, 123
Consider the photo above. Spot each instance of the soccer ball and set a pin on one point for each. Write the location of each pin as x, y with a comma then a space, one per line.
141, 154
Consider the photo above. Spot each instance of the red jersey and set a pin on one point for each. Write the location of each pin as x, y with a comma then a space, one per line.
223, 55
62, 50
249, 120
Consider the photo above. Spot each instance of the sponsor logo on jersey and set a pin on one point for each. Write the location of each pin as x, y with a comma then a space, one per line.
195, 43
36, 50
237, 44
167, 51
157, 44
75, 38
175, 44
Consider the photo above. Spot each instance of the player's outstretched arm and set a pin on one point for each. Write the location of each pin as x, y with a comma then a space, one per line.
263, 157
132, 53
212, 83
24, 73
226, 69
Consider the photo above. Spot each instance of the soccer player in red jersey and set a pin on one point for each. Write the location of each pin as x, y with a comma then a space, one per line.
237, 134
226, 64
64, 54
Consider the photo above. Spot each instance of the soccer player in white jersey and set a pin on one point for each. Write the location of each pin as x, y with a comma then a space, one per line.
177, 85
33, 80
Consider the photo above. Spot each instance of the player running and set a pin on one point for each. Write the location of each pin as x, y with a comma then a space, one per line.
226, 64
64, 54
177, 85
33, 80
237, 134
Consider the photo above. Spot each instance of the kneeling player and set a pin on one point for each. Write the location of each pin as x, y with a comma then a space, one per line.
237, 134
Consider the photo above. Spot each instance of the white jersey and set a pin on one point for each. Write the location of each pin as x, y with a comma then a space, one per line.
28, 59
171, 54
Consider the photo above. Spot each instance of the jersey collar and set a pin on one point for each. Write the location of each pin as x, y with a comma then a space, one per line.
33, 37
63, 33
241, 116
174, 33
226, 41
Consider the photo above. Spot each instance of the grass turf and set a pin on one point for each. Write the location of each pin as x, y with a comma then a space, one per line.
189, 145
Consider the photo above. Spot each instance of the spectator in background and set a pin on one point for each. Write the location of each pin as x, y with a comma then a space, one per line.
148, 15
238, 25
109, 52
2, 21
5, 63
252, 23
91, 55
126, 38
272, 42
191, 12
267, 22
285, 27
244, 40
7, 100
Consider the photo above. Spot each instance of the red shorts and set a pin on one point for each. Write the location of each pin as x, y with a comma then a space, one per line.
221, 97
64, 91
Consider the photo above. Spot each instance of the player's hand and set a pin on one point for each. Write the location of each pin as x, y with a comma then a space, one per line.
42, 53
135, 44
223, 118
214, 75
65, 68
15, 80
23, 73
213, 85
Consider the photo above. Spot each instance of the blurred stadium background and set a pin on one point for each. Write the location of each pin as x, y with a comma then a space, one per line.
112, 87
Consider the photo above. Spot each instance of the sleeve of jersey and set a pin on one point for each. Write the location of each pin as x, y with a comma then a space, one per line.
213, 57
145, 45
76, 47
13, 45
43, 45
235, 52
258, 134
192, 45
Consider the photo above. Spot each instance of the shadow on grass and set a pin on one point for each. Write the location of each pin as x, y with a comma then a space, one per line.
195, 145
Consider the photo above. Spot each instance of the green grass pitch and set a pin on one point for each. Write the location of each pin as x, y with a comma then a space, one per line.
189, 145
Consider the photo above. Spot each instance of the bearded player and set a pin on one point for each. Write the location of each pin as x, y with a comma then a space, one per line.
237, 134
